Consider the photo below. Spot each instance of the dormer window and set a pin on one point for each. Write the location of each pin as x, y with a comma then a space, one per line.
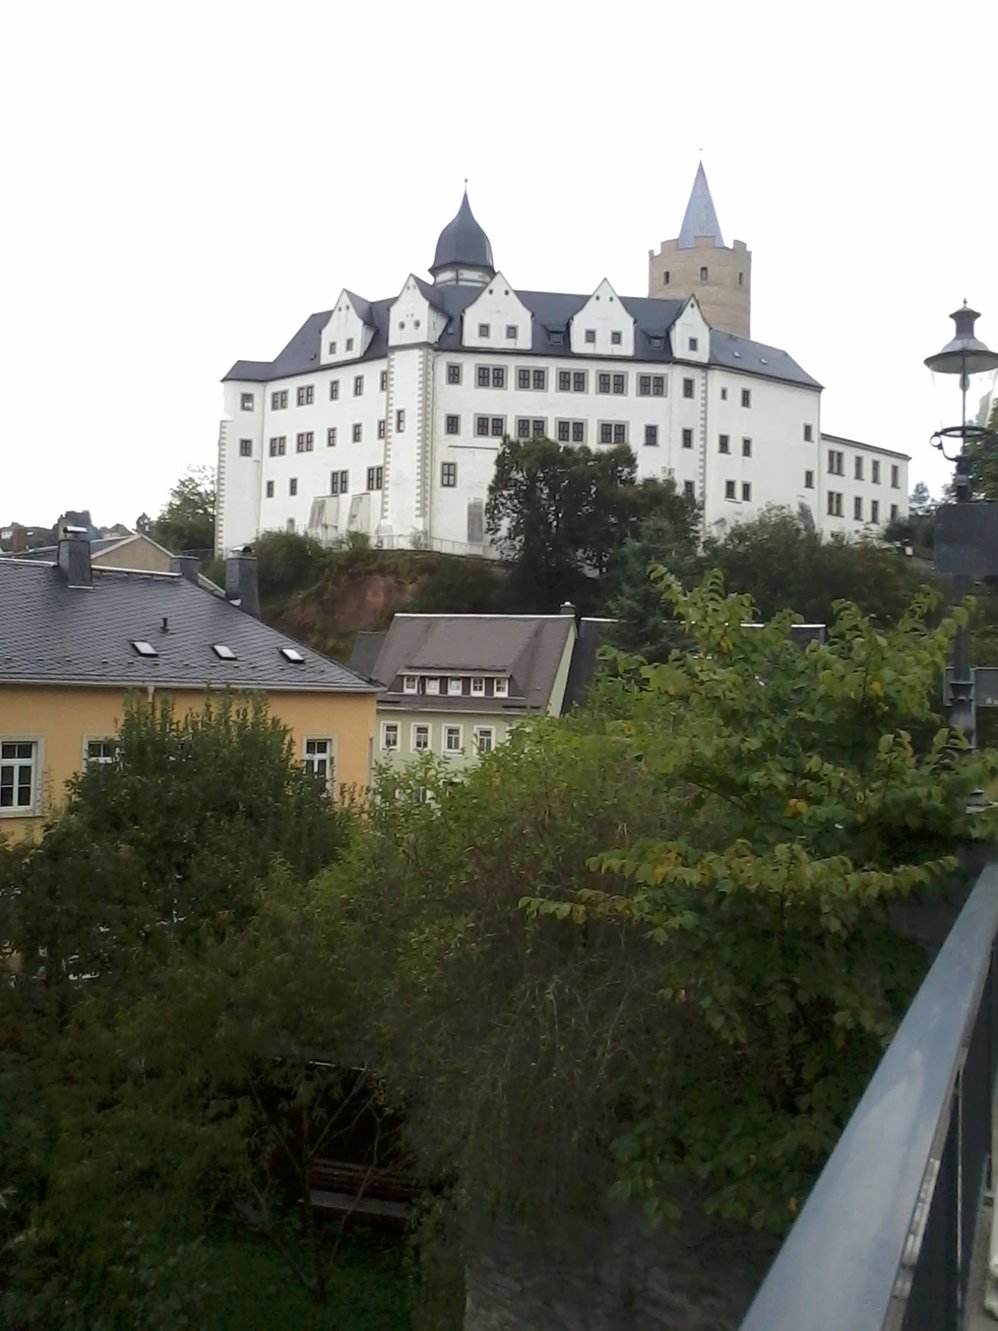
477, 687
433, 685
501, 688
349, 344
455, 686
557, 338
222, 652
410, 684
511, 332
144, 648
293, 655
694, 344
332, 348
615, 339
591, 336
656, 343
483, 330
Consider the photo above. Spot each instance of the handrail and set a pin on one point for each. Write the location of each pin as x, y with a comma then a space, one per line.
839, 1268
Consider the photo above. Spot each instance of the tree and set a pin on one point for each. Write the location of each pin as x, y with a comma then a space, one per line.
982, 457
187, 522
559, 512
143, 524
920, 501
643, 625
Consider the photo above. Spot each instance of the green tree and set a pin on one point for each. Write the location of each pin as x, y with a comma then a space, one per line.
187, 521
982, 457
644, 627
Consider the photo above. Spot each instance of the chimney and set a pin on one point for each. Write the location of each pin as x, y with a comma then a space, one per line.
186, 565
74, 557
18, 539
241, 586
567, 608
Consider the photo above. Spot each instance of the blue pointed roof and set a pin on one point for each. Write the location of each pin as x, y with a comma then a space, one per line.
700, 218
463, 242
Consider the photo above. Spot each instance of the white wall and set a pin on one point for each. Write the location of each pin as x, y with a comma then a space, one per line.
499, 309
603, 315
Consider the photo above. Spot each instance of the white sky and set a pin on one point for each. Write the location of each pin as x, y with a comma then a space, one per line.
185, 183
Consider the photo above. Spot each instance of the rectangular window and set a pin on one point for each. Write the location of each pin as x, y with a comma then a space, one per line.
246, 402
278, 446
498, 426
511, 332
651, 436
615, 339
578, 432
270, 489
18, 771
306, 395
522, 427
358, 433
539, 380
875, 472
724, 395
857, 468
694, 344
389, 736
410, 683
400, 421
455, 686
895, 477
746, 491
293, 485
358, 385
318, 759
687, 438
305, 442
729, 489
620, 433
420, 738
375, 478
453, 373
578, 381
334, 390
746, 397
482, 426
834, 504
483, 330
452, 739
279, 400
477, 686
564, 381
590, 336
349, 344
245, 448
433, 685
836, 462
605, 432
500, 688
857, 508
453, 425
557, 337
703, 274
498, 376
644, 385
383, 381
602, 383
874, 510
746, 448
448, 475
382, 428
523, 378
339, 482
689, 490
620, 383
723, 443
331, 437
688, 388
808, 434
563, 429
484, 376
484, 736
894, 511
809, 480
101, 752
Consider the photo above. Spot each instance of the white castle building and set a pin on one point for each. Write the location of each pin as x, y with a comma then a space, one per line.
384, 417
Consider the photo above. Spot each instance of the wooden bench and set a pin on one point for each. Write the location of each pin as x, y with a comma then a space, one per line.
337, 1185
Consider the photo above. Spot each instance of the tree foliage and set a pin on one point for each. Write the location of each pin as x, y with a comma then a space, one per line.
187, 521
982, 457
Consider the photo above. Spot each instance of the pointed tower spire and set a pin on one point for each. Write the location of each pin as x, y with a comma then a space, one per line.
700, 218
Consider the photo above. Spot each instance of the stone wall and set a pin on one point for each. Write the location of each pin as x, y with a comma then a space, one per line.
614, 1274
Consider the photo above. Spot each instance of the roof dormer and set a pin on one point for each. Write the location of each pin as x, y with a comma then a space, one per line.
690, 334
498, 320
414, 315
348, 330
603, 327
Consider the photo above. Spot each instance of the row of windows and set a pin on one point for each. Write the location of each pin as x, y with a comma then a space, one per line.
836, 467
455, 686
19, 769
731, 491
667, 276
339, 481
836, 507
451, 739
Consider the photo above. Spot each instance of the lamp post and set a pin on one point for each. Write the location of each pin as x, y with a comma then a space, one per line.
967, 356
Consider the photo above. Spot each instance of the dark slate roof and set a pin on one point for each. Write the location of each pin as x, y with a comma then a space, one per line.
364, 656
463, 242
700, 218
552, 313
51, 633
593, 633
527, 648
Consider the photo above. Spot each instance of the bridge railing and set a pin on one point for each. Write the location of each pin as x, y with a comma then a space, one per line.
884, 1240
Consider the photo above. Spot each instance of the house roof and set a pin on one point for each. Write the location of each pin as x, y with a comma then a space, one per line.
463, 242
700, 218
552, 313
51, 633
526, 648
102, 545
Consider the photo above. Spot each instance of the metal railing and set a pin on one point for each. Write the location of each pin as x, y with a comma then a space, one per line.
884, 1241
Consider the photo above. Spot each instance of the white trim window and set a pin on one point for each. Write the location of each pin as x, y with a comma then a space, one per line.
420, 738
101, 752
453, 740
500, 688
477, 686
410, 683
484, 739
18, 776
455, 686
390, 736
318, 759
433, 685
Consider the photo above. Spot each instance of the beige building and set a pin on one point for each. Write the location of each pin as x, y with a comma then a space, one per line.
134, 552
455, 685
698, 263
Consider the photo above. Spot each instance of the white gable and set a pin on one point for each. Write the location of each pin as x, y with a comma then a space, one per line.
345, 336
690, 334
603, 327
411, 317
498, 320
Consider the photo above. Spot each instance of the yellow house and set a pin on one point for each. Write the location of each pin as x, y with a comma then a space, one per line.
75, 639
134, 552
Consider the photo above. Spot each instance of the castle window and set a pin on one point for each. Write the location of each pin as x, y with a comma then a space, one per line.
358, 433
375, 478
483, 330
349, 344
689, 490
688, 388
578, 432
332, 348
522, 427
482, 425
383, 381
834, 504
894, 511
400, 422
306, 395
511, 332
665, 278
245, 448
358, 385
278, 446
557, 338
703, 274
746, 492
857, 467
578, 381
620, 383
615, 339
724, 395
808, 434
741, 279
331, 437
590, 338
874, 510
656, 343
875, 472
246, 402
448, 475
746, 448
687, 438
746, 397
334, 392
602, 383
453, 425
270, 489
339, 482
279, 400
305, 442
563, 428
523, 378
857, 508
498, 426
694, 344
729, 489
498, 376
453, 374
564, 381
382, 428
723, 443
293, 485
809, 480
651, 436
895, 477
540, 380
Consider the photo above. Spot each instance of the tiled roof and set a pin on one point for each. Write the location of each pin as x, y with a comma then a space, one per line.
51, 633
527, 648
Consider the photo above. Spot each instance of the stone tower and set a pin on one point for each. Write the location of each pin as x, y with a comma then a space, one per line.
699, 264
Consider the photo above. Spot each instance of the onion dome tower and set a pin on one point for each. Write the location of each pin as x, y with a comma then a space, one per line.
463, 255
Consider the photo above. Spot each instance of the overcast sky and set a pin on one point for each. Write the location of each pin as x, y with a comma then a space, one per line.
184, 184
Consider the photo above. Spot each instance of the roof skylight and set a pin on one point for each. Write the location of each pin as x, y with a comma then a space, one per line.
293, 655
222, 652
144, 648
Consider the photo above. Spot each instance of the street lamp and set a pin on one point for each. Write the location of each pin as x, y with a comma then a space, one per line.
967, 356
